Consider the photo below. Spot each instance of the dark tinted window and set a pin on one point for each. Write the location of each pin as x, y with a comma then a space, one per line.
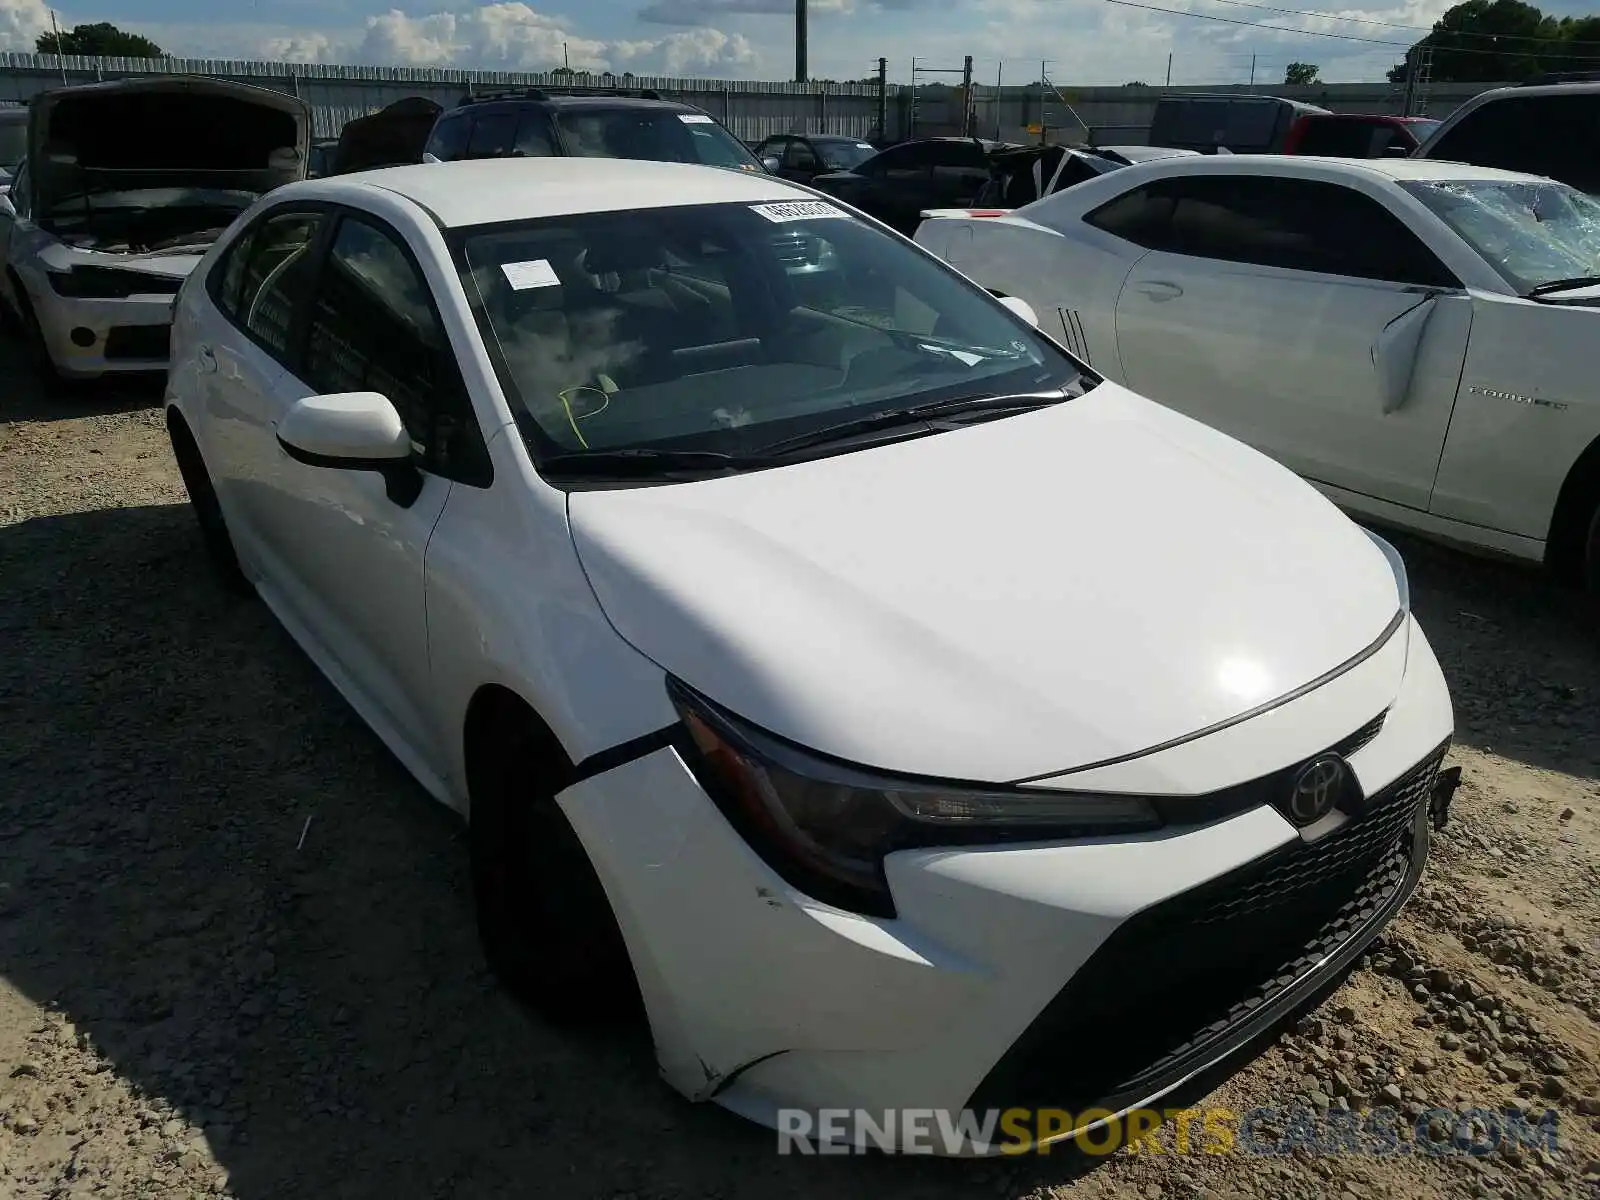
534, 136
448, 140
1558, 136
799, 157
374, 328
900, 162
652, 134
1296, 224
1343, 137
492, 135
266, 276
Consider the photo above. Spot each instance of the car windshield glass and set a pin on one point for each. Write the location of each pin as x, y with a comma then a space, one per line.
657, 134
842, 156
730, 327
1422, 130
1531, 233
13, 144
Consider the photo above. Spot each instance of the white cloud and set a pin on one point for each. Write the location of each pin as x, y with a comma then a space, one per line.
512, 36
21, 23
699, 12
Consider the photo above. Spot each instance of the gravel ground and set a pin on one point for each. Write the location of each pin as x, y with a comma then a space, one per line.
193, 1001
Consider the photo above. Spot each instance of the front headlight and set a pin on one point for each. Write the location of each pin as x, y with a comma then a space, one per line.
826, 827
109, 283
1397, 565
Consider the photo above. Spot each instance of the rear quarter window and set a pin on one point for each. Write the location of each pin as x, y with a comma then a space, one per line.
449, 138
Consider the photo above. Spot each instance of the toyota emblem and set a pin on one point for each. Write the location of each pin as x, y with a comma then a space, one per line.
1316, 789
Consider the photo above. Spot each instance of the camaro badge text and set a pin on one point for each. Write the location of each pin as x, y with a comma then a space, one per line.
1532, 401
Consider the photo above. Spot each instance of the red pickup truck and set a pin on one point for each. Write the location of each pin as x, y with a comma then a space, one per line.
1357, 135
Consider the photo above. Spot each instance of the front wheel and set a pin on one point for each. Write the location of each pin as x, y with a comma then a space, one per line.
544, 921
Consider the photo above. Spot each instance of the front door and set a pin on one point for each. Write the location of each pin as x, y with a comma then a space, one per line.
1305, 319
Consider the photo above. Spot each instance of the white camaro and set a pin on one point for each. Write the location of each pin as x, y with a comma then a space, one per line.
124, 186
910, 717
1416, 338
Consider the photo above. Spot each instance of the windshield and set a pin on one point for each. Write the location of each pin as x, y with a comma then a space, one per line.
727, 328
843, 156
1422, 130
1531, 233
13, 144
657, 134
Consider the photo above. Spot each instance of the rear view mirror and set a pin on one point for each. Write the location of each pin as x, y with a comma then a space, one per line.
770, 163
353, 431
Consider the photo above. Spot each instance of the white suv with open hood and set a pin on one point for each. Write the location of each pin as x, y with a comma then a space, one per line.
125, 185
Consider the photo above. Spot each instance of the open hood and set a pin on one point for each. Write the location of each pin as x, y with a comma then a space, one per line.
168, 132
391, 137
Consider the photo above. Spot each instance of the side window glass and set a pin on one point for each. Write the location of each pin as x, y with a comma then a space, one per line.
276, 276
534, 139
1300, 225
492, 135
800, 157
228, 275
906, 162
1142, 216
20, 199
374, 328
448, 141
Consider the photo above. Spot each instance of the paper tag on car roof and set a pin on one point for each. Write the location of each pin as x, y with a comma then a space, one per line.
695, 119
536, 273
796, 210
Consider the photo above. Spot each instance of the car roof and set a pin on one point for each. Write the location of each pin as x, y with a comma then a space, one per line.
485, 191
562, 101
1397, 169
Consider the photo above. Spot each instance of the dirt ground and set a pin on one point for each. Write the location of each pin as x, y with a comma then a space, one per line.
201, 994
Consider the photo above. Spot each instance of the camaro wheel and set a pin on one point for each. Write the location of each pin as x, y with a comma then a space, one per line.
544, 921
207, 511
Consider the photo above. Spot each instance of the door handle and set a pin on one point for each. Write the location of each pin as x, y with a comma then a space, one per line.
208, 360
1160, 290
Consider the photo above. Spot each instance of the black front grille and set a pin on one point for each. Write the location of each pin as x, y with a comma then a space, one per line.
139, 341
1194, 977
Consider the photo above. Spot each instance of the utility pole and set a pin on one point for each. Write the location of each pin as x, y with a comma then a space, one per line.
1169, 68
1408, 106
999, 98
1252, 72
61, 58
565, 61
883, 99
968, 110
800, 75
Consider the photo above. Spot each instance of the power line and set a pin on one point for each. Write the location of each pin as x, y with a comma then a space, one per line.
1463, 33
1343, 37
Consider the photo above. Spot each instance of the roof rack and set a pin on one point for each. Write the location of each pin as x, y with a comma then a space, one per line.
546, 93
1561, 77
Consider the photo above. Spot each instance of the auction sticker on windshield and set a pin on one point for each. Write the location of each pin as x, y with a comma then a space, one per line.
798, 210
535, 274
694, 118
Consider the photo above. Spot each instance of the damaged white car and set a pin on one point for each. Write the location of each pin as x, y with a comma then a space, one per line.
124, 186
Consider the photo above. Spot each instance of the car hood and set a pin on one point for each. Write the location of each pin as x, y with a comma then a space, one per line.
1008, 600
162, 133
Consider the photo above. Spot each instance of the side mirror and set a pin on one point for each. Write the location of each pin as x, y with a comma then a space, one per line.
1019, 306
770, 163
353, 431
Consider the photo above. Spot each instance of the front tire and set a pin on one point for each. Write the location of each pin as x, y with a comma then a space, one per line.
207, 510
544, 921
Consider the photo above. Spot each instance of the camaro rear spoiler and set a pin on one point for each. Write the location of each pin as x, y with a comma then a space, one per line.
935, 214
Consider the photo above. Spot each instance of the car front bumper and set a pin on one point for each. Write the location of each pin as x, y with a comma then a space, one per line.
90, 338
1092, 977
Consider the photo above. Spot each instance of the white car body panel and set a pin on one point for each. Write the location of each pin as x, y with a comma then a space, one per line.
1454, 413
1102, 585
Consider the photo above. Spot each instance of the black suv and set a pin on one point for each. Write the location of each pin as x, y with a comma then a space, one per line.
585, 123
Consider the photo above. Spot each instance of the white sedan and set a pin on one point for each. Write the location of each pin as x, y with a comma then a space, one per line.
820, 655
1416, 338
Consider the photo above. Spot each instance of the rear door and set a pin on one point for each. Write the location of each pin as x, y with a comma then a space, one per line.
1303, 317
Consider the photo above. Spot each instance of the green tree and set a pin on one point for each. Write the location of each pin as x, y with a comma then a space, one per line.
101, 38
1504, 41
1136, 83
1299, 74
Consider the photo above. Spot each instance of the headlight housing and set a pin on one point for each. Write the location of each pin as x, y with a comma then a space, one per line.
109, 283
1397, 565
826, 826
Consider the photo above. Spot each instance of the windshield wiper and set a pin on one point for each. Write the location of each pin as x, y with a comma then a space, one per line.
1561, 285
646, 461
940, 413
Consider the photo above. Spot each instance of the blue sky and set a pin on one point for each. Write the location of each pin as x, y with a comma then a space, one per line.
1085, 41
